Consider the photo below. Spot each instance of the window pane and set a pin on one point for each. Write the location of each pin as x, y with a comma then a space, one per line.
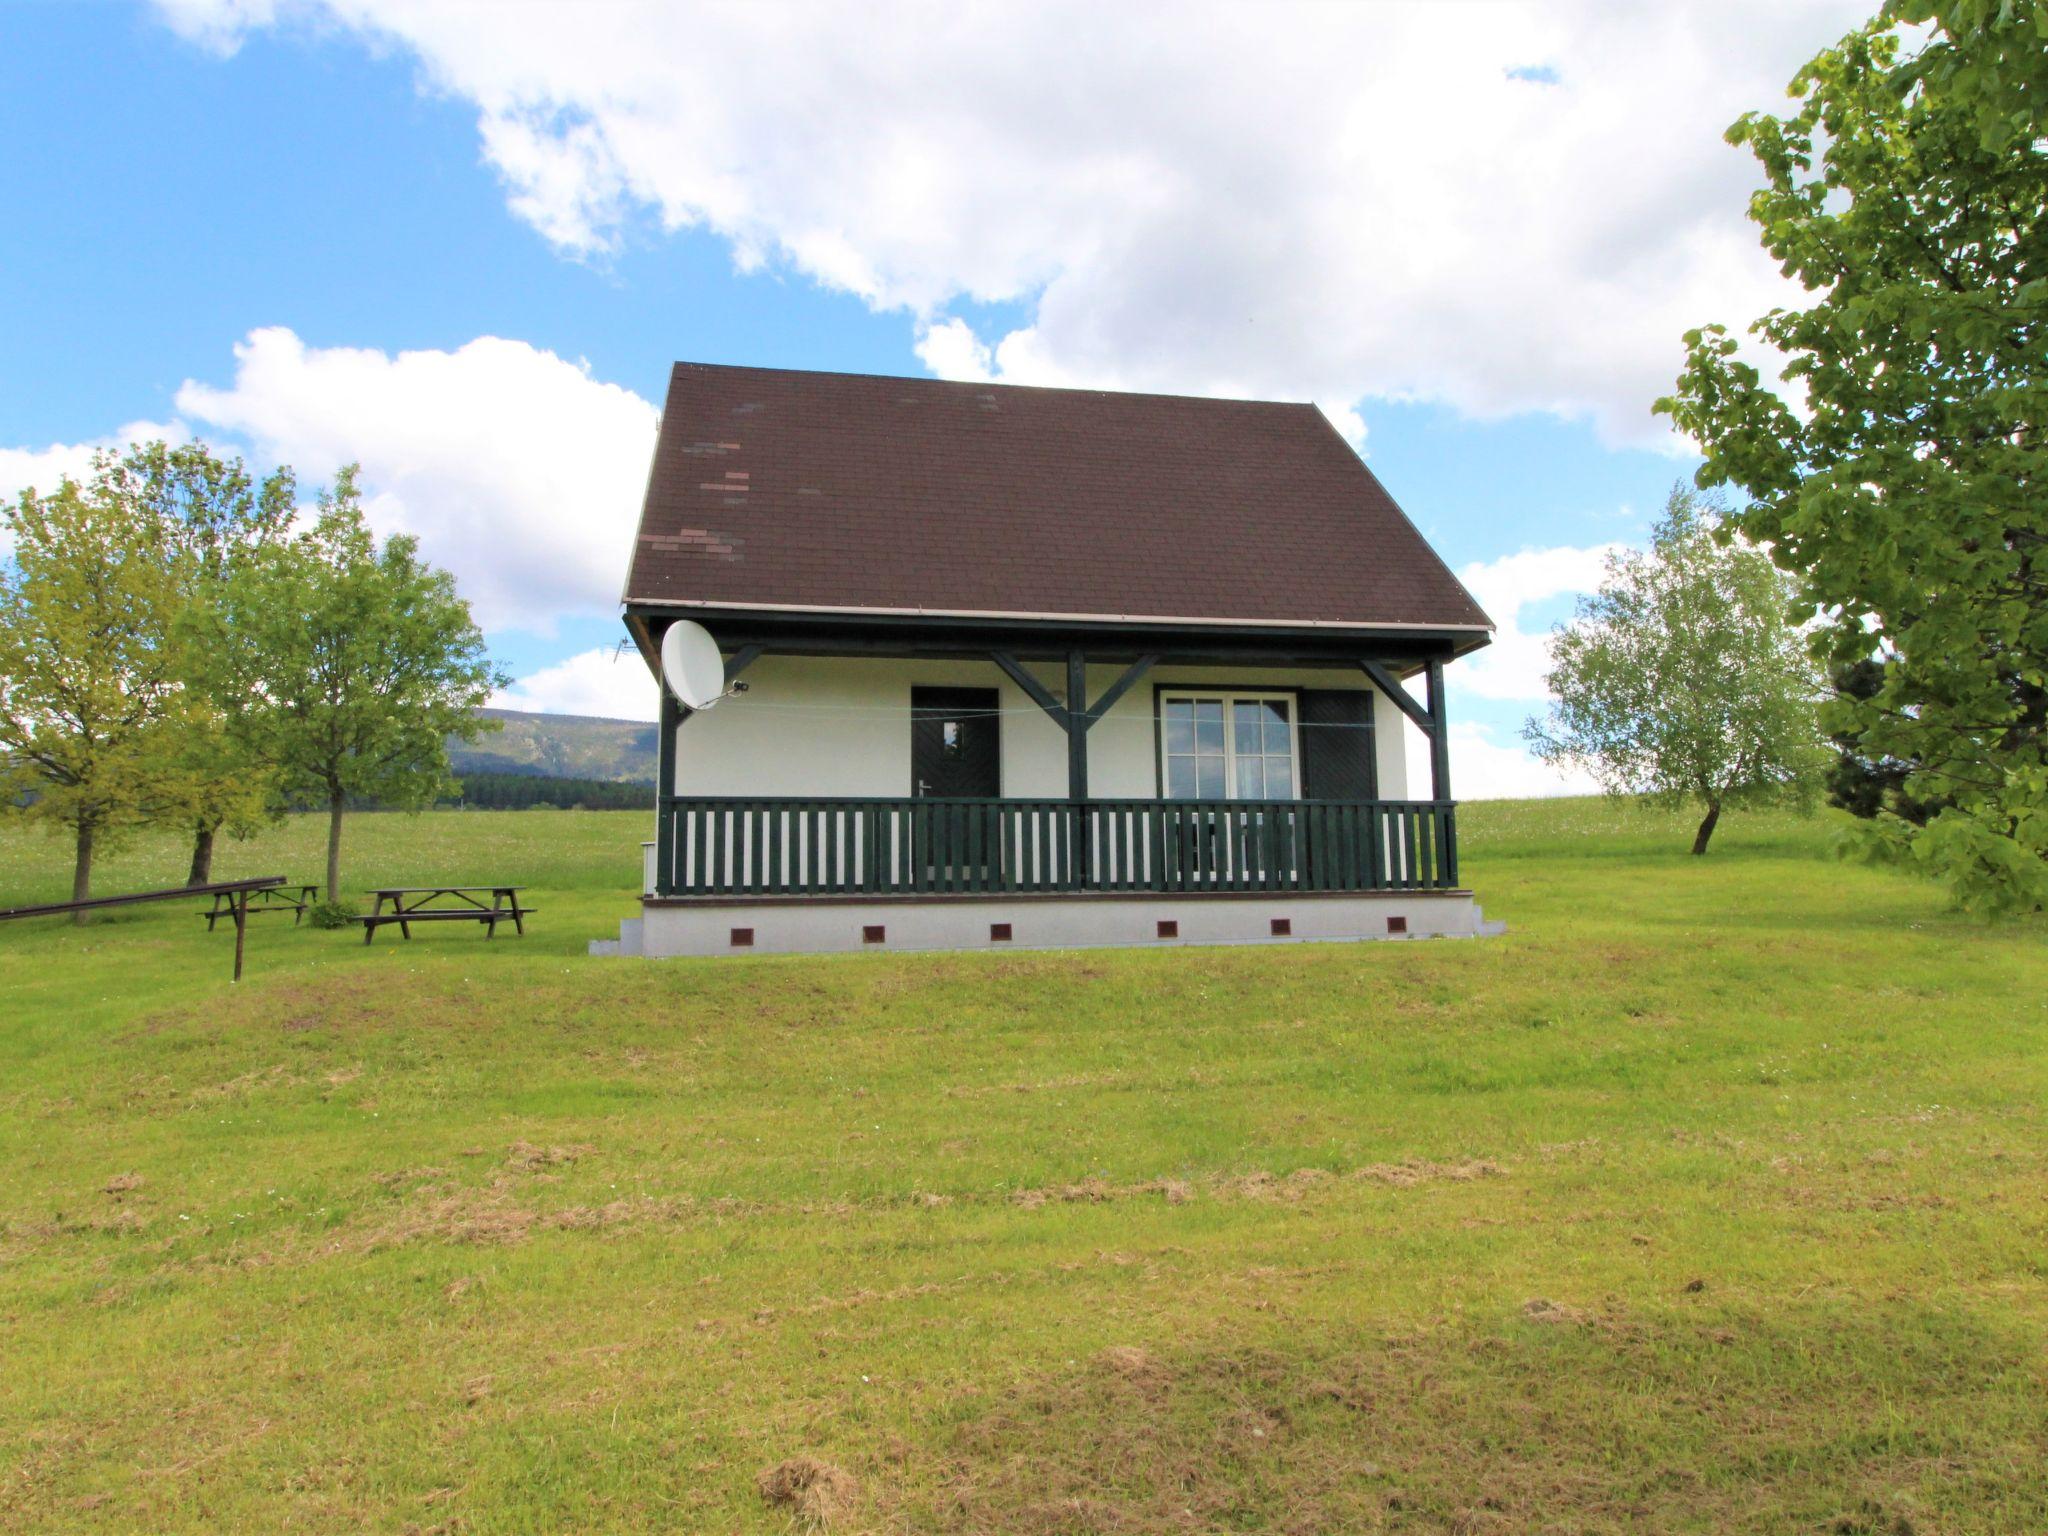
1251, 778
1279, 778
1180, 778
1245, 730
1276, 726
1209, 781
1180, 725
1208, 725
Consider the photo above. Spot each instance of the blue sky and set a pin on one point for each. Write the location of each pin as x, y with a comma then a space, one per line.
295, 230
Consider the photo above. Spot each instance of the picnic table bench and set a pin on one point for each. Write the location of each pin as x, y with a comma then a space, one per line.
271, 898
445, 904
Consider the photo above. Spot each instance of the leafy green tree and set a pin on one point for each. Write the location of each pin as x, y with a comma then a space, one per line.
1898, 468
216, 516
91, 690
1683, 677
352, 663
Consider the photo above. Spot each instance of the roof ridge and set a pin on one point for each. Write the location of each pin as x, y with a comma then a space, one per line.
978, 384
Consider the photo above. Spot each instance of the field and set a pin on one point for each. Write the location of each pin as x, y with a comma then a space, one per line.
1713, 1197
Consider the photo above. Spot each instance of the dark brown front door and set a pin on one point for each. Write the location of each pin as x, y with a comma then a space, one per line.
955, 743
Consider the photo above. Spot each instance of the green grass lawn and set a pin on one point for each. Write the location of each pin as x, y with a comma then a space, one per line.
1713, 1197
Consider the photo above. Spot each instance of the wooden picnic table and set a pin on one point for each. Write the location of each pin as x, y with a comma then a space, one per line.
445, 904
271, 898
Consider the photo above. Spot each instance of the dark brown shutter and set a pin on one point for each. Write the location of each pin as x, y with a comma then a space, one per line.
1337, 758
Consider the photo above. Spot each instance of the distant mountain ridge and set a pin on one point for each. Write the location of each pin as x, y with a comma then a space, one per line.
560, 746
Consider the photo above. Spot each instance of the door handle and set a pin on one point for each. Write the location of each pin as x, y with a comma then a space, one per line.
924, 788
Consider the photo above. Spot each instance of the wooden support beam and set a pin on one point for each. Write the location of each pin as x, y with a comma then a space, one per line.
740, 660
1077, 727
1439, 735
1120, 687
1034, 690
664, 791
1390, 685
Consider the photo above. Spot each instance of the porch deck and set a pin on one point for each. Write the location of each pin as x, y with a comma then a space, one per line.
723, 847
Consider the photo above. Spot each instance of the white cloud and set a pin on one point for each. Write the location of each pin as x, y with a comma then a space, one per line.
1502, 206
1484, 769
951, 350
518, 471
606, 682
40, 469
1512, 667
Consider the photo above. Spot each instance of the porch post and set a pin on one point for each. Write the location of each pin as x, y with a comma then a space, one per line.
1439, 741
1440, 777
665, 793
1077, 766
1077, 727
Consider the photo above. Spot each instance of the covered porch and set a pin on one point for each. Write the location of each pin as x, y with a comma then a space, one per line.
1118, 703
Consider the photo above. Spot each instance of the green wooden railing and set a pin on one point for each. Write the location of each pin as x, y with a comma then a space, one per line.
728, 846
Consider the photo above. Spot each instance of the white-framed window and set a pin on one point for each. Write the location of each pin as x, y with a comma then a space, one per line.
1218, 745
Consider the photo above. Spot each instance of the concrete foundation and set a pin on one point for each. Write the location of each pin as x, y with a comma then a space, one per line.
829, 925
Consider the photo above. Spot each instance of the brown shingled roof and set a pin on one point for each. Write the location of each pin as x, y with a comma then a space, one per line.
782, 489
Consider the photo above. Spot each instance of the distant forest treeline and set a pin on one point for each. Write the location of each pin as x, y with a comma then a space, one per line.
523, 791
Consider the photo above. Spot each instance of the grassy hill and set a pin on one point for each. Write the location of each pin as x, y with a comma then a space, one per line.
560, 746
1713, 1197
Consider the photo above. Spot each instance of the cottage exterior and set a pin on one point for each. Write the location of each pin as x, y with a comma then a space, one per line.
1029, 667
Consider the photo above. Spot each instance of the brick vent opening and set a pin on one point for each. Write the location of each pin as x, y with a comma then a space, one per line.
999, 933
1168, 928
1283, 927
1397, 925
874, 933
743, 938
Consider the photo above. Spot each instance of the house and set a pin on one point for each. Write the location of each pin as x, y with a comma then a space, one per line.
1037, 667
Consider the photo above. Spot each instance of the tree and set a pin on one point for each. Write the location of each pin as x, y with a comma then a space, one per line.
1908, 193
1683, 677
90, 684
352, 663
218, 518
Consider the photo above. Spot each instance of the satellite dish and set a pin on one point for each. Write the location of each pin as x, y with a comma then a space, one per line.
691, 664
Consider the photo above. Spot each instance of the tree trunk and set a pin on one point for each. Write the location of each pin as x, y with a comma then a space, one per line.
1699, 842
334, 804
201, 872
81, 872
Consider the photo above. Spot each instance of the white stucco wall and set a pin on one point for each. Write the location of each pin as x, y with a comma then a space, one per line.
841, 726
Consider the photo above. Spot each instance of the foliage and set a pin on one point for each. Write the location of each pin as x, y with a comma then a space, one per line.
217, 518
1896, 469
91, 690
1866, 785
352, 663
500, 1237
1683, 676
331, 915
